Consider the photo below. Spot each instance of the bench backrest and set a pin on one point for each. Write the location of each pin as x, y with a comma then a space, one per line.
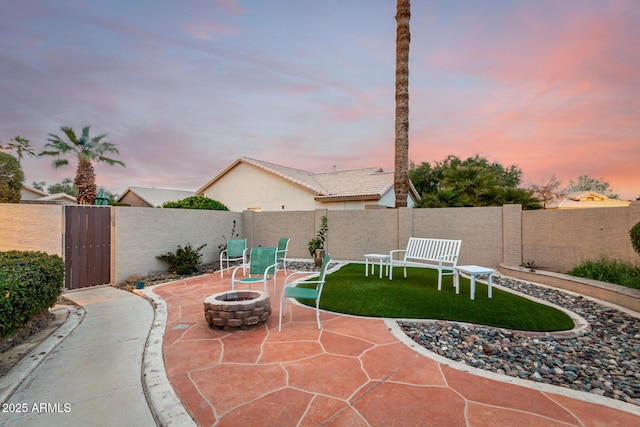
433, 249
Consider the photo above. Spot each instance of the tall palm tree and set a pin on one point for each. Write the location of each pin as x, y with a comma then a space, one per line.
401, 176
86, 150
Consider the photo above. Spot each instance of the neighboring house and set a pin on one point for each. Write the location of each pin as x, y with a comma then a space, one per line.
143, 197
586, 199
249, 184
33, 195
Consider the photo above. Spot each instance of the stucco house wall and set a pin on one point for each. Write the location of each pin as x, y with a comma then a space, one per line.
248, 188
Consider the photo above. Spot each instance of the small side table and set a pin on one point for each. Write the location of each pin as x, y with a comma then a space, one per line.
383, 258
472, 271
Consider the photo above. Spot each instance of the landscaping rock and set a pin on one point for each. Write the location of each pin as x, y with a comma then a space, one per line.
604, 361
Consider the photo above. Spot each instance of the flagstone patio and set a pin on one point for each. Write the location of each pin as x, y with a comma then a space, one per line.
354, 371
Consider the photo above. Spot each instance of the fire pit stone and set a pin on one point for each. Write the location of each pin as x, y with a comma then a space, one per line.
237, 310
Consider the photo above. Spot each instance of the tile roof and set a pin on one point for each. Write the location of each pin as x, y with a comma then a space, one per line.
585, 199
367, 183
157, 196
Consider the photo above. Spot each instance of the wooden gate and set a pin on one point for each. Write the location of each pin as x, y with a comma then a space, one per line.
87, 246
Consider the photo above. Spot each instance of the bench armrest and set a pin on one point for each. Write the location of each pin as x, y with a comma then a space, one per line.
448, 257
396, 251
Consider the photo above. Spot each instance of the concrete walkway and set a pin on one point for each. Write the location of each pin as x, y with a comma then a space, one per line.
93, 376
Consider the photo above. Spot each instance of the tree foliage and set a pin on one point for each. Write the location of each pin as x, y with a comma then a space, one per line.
21, 146
197, 202
635, 237
66, 186
472, 182
11, 179
546, 191
86, 150
587, 183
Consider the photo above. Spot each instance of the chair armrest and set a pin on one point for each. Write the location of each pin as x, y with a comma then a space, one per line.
307, 273
272, 266
223, 252
235, 270
396, 251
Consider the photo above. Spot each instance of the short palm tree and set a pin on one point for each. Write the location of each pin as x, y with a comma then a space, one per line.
86, 150
21, 146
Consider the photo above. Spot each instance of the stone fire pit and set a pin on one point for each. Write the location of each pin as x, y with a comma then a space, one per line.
237, 310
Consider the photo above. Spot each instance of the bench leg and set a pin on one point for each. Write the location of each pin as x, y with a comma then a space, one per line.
473, 286
490, 283
456, 281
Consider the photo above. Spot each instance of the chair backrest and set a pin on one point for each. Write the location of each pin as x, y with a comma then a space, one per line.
261, 259
323, 270
235, 248
283, 244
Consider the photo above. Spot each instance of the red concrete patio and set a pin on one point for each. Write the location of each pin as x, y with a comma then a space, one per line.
354, 372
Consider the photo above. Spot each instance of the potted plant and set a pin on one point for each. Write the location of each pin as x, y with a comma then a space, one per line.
316, 245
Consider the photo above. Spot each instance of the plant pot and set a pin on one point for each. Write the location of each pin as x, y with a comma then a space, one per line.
318, 257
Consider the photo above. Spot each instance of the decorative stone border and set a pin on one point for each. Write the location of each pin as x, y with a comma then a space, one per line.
237, 310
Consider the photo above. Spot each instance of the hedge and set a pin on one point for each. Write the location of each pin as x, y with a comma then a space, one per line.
30, 282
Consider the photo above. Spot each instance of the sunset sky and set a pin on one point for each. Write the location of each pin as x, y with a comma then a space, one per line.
183, 88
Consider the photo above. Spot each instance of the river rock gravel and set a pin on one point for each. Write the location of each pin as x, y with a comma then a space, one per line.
603, 361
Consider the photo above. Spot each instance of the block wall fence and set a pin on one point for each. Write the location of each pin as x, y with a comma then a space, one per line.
556, 240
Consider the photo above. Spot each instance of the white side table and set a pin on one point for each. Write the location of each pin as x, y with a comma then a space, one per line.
383, 258
472, 271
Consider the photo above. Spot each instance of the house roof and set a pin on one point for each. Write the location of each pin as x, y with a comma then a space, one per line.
356, 184
33, 195
585, 199
157, 196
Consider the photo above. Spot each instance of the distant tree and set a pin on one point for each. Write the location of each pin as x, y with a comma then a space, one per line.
86, 150
455, 182
443, 199
587, 183
510, 196
66, 186
11, 179
424, 178
403, 38
21, 146
39, 185
546, 191
197, 202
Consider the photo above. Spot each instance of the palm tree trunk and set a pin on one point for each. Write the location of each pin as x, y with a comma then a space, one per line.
85, 182
401, 176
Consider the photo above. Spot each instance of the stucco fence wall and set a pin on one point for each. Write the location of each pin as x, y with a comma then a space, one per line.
30, 227
555, 240
141, 234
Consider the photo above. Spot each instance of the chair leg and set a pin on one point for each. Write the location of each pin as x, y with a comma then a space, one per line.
282, 311
318, 314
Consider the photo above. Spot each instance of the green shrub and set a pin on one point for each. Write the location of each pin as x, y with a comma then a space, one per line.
184, 260
318, 241
610, 271
197, 202
635, 237
30, 282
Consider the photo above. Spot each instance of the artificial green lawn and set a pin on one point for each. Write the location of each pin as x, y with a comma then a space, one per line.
417, 297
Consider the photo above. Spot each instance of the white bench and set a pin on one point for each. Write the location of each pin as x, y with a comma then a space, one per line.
441, 254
